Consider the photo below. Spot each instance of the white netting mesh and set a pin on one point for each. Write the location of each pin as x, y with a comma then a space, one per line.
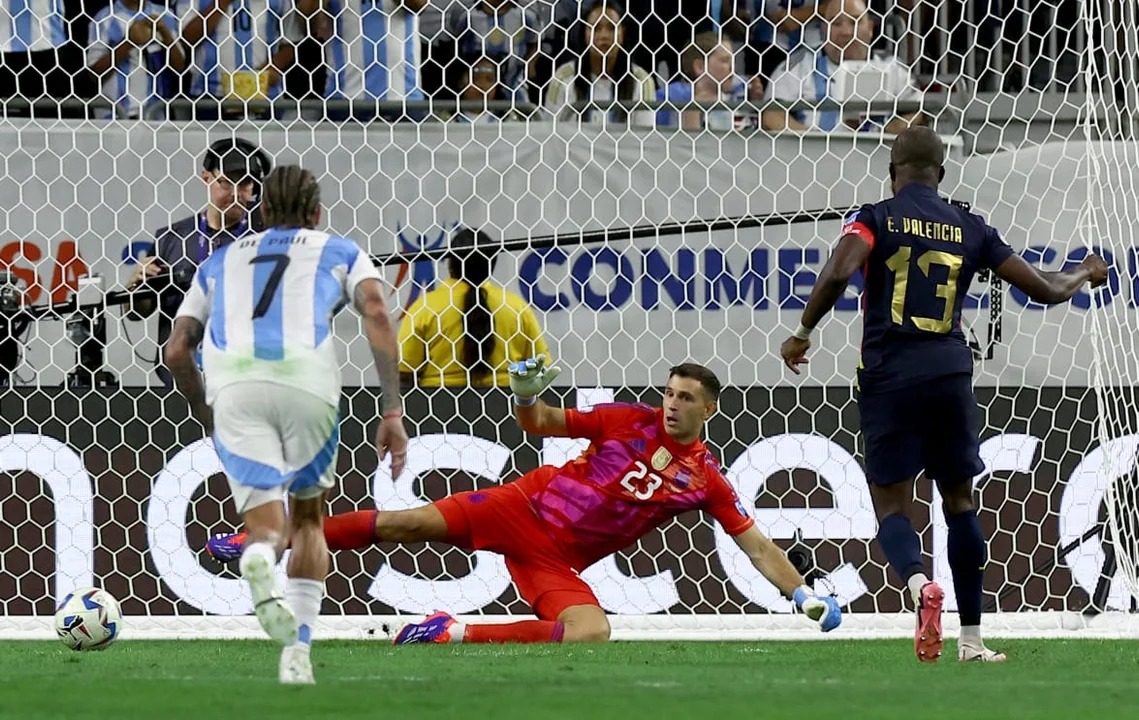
1109, 225
671, 200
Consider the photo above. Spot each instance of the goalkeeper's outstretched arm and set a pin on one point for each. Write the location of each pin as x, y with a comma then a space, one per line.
528, 378
769, 560
774, 565
541, 419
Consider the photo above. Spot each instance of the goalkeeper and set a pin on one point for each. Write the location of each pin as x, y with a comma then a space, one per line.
643, 467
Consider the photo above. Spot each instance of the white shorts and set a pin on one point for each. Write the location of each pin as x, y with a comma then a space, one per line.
272, 439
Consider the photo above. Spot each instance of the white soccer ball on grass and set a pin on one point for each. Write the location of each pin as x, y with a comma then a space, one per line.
88, 619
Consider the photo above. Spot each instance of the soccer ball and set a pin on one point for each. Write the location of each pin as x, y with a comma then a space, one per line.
88, 619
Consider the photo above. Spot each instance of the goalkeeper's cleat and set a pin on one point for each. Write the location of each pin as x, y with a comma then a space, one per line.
274, 614
435, 629
296, 666
928, 638
971, 653
226, 547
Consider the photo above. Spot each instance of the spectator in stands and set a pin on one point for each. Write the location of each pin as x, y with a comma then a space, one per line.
808, 76
242, 48
232, 171
558, 38
481, 84
500, 30
373, 53
604, 73
467, 331
134, 49
436, 48
36, 56
783, 27
708, 67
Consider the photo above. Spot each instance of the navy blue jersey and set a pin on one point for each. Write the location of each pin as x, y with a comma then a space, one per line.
182, 247
924, 254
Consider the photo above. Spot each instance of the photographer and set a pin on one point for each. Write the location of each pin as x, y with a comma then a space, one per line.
232, 171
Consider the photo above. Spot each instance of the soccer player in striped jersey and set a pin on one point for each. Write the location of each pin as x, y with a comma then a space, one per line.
373, 52
133, 47
272, 390
242, 48
644, 466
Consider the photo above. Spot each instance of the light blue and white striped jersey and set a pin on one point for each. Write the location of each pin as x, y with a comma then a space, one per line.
31, 25
243, 41
812, 35
136, 80
244, 292
373, 53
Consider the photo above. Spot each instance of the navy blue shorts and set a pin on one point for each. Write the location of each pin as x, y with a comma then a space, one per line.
933, 426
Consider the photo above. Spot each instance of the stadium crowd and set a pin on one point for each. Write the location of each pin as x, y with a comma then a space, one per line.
544, 56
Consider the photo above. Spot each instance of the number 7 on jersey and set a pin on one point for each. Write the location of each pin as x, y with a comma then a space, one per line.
272, 283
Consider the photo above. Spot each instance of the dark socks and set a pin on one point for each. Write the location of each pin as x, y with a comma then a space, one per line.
901, 544
966, 548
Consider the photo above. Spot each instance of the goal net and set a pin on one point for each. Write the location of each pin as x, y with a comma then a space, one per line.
1112, 124
677, 206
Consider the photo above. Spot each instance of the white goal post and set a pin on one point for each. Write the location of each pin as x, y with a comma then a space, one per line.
638, 245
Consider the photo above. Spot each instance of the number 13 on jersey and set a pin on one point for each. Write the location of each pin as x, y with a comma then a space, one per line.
899, 263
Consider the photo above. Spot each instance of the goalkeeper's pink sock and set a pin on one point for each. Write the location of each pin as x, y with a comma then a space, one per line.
351, 531
526, 631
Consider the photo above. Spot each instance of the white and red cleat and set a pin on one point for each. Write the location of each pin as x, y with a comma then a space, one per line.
971, 653
928, 638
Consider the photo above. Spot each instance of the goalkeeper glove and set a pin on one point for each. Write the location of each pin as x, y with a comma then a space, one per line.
823, 610
528, 378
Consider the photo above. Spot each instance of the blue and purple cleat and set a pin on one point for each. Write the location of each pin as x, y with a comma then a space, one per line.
435, 629
226, 547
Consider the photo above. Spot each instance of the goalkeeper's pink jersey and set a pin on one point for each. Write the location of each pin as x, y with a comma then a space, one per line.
631, 479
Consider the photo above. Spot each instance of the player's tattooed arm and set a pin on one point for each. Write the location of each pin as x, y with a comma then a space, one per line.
381, 333
391, 436
179, 354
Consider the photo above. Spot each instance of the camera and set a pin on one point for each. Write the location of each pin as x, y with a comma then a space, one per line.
9, 294
87, 331
13, 322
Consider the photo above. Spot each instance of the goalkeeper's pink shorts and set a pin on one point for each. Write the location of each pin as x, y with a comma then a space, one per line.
501, 520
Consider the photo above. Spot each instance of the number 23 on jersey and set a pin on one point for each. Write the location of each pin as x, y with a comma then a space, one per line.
641, 482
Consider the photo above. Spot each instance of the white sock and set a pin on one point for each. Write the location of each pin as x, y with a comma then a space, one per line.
458, 630
304, 595
916, 582
263, 549
971, 636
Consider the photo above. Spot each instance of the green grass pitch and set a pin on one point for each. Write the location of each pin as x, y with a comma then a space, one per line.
208, 680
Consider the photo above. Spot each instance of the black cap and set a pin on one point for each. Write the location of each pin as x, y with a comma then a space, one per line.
238, 160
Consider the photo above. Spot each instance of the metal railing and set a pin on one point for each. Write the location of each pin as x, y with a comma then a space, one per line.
439, 109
